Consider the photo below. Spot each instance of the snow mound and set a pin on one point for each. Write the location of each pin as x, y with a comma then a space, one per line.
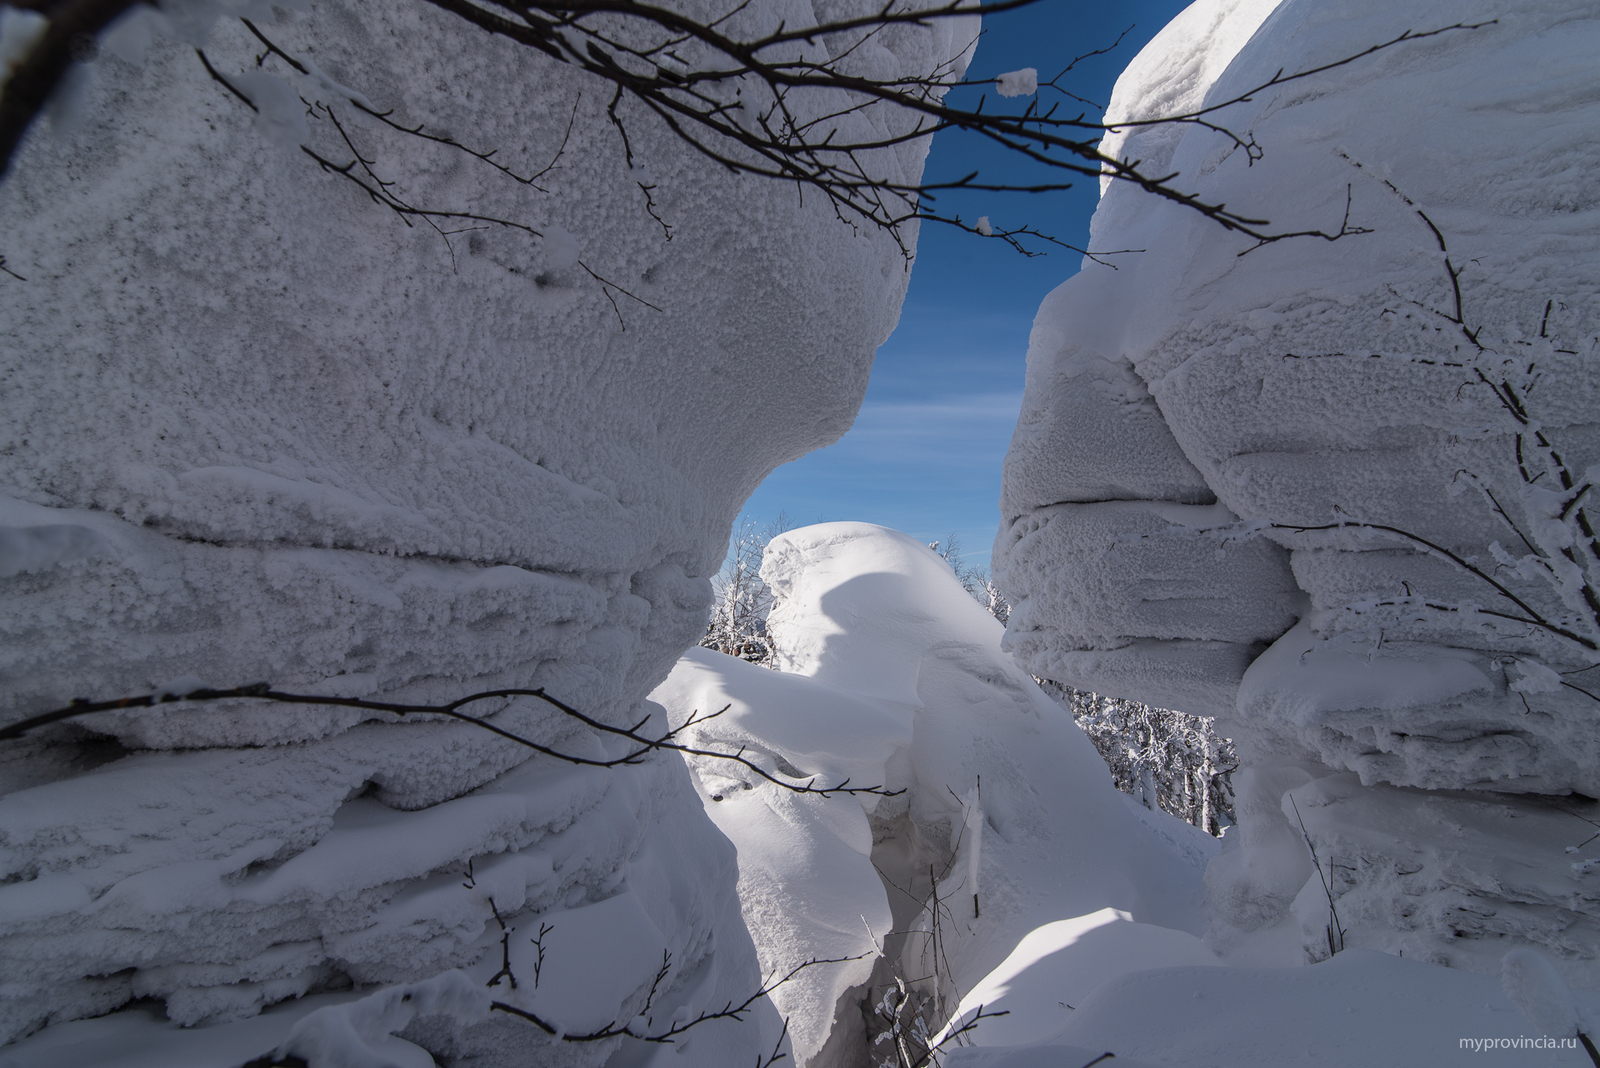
891, 674
1056, 966
806, 882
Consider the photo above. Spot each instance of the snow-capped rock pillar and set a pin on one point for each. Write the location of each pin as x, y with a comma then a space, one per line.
1347, 400
258, 427
1107, 549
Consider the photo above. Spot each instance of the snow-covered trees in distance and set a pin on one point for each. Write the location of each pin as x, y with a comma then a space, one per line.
1169, 760
756, 97
740, 599
975, 578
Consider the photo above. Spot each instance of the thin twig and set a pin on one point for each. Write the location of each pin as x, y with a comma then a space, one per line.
615, 1030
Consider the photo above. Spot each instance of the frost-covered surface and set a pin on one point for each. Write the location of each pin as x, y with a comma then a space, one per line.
1448, 878
1117, 583
890, 673
1311, 383
258, 428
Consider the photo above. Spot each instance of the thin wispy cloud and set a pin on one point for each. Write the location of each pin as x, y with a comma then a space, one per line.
941, 435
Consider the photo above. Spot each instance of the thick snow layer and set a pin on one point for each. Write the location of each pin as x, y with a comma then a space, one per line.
1247, 357
1052, 1056
1305, 383
1360, 1008
1537, 989
1114, 583
1173, 74
890, 674
1451, 879
260, 428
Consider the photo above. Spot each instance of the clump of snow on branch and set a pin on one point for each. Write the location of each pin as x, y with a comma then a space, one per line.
280, 116
1024, 82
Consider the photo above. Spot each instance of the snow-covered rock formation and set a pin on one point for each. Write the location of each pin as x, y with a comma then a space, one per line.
1330, 490
258, 427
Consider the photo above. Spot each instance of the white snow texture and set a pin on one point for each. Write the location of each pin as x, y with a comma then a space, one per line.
257, 427
1193, 417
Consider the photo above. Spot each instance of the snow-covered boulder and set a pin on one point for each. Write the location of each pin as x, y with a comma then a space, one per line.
1400, 420
258, 427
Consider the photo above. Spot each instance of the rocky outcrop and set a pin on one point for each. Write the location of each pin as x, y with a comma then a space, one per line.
1388, 419
258, 426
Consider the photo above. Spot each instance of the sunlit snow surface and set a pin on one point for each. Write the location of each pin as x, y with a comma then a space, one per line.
892, 675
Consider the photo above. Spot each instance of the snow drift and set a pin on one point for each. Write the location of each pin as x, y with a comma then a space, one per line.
259, 428
1002, 821
1305, 444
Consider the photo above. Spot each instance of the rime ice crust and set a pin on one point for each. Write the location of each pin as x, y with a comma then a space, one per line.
1307, 382
258, 428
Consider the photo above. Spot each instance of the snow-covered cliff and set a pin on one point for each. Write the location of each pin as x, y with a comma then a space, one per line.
1329, 490
258, 427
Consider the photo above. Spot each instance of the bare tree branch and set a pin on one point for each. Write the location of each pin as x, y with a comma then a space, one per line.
644, 744
764, 104
730, 1011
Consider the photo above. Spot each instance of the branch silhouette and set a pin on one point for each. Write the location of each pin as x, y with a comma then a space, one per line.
769, 104
644, 743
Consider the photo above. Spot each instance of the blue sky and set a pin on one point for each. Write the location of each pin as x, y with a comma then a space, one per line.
924, 454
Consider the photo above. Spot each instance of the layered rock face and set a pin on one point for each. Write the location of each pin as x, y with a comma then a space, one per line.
259, 426
1331, 490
